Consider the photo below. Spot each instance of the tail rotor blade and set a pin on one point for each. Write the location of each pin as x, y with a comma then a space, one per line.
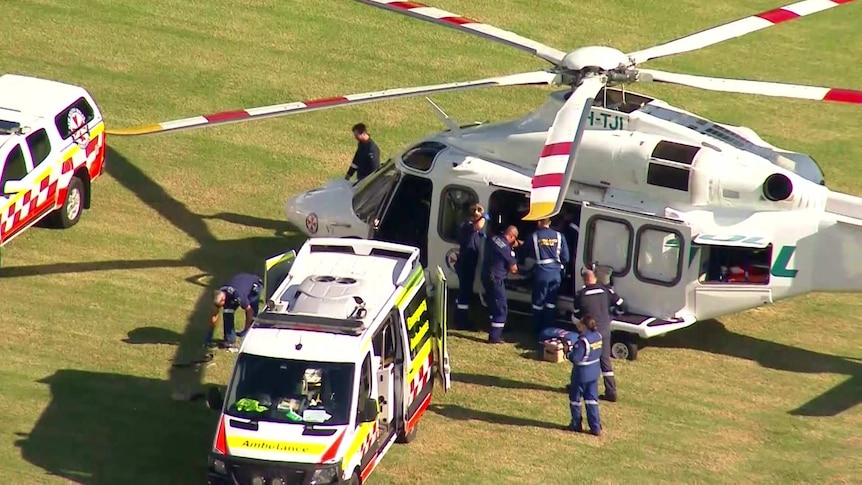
227, 117
796, 91
735, 29
556, 165
464, 24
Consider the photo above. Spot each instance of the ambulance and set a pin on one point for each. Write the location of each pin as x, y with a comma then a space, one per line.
52, 147
339, 365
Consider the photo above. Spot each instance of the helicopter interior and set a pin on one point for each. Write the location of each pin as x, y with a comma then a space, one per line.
406, 214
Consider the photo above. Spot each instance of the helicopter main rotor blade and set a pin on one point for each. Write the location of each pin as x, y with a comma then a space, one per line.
557, 162
764, 88
449, 19
735, 29
226, 117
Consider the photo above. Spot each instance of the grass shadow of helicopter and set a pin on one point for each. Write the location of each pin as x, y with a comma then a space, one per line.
713, 337
209, 257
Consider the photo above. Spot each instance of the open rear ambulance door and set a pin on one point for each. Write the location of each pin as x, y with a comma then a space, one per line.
441, 310
277, 268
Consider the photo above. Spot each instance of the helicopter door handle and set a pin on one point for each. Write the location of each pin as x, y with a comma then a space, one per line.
340, 224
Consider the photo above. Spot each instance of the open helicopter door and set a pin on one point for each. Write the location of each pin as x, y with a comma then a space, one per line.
277, 268
648, 255
441, 310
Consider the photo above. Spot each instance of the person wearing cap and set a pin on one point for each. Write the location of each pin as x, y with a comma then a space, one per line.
596, 300
242, 291
585, 356
497, 262
470, 234
551, 254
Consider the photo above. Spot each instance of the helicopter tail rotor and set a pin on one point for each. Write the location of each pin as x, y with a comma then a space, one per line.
557, 162
797, 91
227, 117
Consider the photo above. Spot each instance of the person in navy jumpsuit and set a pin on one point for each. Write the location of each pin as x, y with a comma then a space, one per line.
498, 260
242, 291
551, 252
585, 355
470, 235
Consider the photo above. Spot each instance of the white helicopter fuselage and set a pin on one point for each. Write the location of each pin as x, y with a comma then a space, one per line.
697, 219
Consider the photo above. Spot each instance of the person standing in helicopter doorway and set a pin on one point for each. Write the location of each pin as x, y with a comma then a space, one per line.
470, 236
551, 253
366, 160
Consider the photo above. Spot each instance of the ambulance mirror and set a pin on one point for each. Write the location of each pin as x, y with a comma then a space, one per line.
368, 411
215, 400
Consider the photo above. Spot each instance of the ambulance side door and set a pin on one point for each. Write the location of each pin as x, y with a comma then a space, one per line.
277, 268
420, 344
441, 310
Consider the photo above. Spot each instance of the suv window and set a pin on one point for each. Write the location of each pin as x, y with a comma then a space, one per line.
15, 167
39, 145
62, 122
453, 206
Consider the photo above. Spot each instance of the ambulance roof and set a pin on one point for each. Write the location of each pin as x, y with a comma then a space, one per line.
331, 298
34, 96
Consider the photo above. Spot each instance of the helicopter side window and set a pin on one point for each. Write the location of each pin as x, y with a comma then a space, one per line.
454, 202
729, 264
609, 241
421, 157
658, 257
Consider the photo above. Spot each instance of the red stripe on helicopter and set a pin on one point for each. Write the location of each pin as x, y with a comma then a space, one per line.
457, 20
227, 116
325, 101
778, 15
407, 5
554, 149
844, 96
548, 180
841, 2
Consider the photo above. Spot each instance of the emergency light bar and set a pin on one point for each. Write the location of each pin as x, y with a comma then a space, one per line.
312, 323
10, 127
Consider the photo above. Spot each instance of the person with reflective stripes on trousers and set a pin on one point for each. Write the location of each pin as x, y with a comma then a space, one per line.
585, 355
470, 235
596, 301
551, 252
498, 260
242, 291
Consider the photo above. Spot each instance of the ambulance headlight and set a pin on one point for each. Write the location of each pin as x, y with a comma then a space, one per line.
325, 475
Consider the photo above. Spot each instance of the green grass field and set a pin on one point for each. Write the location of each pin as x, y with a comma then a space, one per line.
93, 317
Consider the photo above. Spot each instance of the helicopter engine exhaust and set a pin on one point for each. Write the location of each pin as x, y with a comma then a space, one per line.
777, 187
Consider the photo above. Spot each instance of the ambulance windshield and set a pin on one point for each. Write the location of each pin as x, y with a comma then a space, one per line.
371, 192
290, 391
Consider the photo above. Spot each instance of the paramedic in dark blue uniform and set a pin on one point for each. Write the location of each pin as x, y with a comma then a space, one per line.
366, 160
240, 292
470, 236
596, 301
498, 260
551, 252
585, 355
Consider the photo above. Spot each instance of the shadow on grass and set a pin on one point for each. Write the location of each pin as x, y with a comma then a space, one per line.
111, 428
502, 382
152, 335
461, 413
712, 336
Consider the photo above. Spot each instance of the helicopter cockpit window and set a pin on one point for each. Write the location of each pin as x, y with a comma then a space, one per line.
454, 202
371, 192
290, 391
421, 157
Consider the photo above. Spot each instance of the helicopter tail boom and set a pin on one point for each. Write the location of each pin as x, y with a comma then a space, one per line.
837, 264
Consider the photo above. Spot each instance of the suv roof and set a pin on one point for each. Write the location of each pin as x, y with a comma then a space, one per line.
34, 96
319, 302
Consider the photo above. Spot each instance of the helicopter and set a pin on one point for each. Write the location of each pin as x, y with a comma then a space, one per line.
693, 219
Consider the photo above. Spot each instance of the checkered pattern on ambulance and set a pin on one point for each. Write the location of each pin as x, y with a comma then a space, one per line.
422, 376
49, 189
369, 439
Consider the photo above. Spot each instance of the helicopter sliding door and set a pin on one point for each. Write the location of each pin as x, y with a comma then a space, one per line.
648, 256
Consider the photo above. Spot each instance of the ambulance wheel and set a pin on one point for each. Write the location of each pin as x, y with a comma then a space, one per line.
624, 348
407, 438
354, 480
70, 213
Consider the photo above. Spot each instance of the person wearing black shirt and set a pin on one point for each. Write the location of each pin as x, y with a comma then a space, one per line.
366, 160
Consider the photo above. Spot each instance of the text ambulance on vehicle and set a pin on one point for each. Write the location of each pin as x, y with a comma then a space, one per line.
52, 146
336, 368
